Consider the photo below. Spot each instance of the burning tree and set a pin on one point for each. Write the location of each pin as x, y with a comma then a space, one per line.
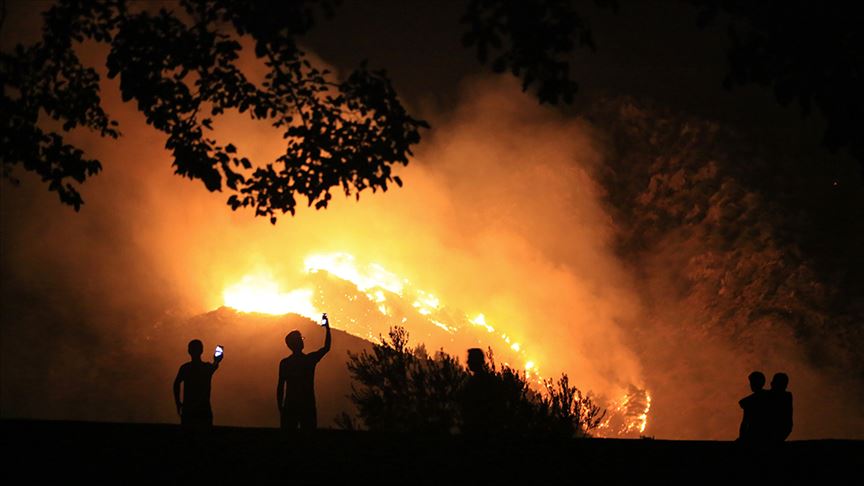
404, 389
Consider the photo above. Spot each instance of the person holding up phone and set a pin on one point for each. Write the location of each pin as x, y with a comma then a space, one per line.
195, 376
295, 390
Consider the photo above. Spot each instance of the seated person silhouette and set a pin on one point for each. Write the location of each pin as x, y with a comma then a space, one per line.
780, 408
295, 391
755, 426
480, 398
195, 376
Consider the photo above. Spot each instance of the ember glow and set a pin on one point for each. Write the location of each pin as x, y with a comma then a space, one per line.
628, 415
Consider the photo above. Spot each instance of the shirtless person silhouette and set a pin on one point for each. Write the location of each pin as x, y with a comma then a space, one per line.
295, 391
481, 401
755, 424
195, 376
781, 408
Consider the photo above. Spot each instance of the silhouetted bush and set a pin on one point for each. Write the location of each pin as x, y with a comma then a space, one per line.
406, 389
402, 389
180, 65
572, 410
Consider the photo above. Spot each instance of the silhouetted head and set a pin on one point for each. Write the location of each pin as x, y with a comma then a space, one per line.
757, 380
196, 347
294, 341
780, 382
476, 360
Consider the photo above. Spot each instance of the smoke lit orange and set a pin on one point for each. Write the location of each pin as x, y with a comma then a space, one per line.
262, 293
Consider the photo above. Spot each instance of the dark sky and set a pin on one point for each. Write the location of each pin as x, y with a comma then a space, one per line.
648, 49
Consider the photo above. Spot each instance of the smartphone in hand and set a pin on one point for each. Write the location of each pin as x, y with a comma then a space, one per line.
219, 350
324, 321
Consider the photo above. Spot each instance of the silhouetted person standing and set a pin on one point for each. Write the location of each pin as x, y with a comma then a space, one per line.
780, 408
295, 391
480, 400
194, 409
755, 426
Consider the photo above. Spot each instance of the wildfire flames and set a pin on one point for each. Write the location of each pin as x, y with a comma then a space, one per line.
628, 415
261, 293
367, 299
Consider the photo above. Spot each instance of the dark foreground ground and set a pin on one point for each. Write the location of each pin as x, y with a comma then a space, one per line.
39, 452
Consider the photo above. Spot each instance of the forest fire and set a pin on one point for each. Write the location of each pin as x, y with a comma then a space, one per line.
260, 293
386, 299
229, 171
634, 406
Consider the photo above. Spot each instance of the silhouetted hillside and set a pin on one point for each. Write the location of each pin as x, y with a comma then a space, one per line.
244, 388
130, 378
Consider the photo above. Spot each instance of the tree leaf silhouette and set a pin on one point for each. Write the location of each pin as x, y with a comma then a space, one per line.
181, 71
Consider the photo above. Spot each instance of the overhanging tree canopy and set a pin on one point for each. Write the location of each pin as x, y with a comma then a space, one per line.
181, 70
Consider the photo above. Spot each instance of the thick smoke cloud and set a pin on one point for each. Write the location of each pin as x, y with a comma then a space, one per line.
500, 215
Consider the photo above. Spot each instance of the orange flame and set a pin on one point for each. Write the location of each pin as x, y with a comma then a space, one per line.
260, 292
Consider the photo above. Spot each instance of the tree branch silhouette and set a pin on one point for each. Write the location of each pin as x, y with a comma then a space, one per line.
349, 133
177, 65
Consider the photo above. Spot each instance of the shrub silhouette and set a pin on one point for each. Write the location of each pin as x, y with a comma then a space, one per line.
567, 407
403, 389
406, 389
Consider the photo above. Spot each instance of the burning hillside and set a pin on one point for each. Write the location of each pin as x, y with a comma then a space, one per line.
366, 300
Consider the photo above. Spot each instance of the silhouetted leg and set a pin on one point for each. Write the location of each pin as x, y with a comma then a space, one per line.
289, 419
199, 417
309, 420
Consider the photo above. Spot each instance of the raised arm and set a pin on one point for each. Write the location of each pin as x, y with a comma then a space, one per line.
327, 340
